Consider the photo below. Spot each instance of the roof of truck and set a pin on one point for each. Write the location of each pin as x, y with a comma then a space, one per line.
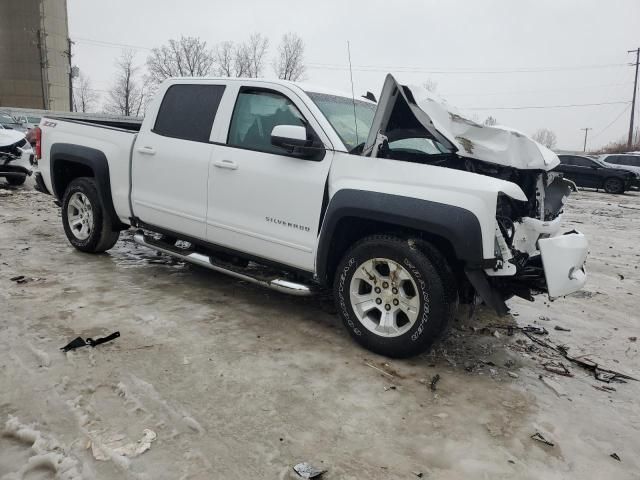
307, 87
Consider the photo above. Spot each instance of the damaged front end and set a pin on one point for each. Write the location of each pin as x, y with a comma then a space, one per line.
16, 154
531, 255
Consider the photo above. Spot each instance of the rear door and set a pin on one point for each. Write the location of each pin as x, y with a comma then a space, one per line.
588, 172
263, 200
170, 160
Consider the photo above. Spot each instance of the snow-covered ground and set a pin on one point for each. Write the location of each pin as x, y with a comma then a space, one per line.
214, 378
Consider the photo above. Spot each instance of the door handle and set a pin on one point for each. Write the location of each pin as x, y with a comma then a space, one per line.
228, 164
147, 150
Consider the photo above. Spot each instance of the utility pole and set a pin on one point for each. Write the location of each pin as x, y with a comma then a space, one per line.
633, 103
586, 130
68, 54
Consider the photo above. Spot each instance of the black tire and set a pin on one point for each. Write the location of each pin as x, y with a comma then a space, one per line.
102, 236
16, 181
613, 185
436, 291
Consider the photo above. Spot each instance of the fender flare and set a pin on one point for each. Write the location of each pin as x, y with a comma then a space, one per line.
96, 161
455, 224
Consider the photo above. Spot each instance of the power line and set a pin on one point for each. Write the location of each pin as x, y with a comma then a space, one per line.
386, 68
544, 106
611, 123
410, 69
585, 87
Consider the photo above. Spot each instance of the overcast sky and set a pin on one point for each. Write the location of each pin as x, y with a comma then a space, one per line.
575, 51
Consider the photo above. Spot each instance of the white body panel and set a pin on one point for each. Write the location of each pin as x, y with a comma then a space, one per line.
474, 192
115, 144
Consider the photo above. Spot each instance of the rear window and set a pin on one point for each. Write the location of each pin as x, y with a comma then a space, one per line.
188, 111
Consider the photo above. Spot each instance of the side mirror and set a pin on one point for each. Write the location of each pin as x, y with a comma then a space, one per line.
289, 136
296, 140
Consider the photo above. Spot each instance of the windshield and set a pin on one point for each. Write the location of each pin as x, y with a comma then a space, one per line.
339, 112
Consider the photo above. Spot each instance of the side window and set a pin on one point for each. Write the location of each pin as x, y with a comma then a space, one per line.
582, 162
566, 160
187, 111
632, 161
254, 116
614, 159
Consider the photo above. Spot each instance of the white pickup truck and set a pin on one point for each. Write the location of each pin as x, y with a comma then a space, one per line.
403, 208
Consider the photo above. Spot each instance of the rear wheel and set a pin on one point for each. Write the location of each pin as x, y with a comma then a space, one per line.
86, 222
613, 185
16, 181
393, 299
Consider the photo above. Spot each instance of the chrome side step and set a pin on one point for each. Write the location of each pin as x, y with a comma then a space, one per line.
278, 284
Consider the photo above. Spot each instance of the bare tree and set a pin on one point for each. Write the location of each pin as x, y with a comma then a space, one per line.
187, 57
224, 57
127, 96
289, 63
241, 60
546, 137
430, 85
84, 97
253, 52
490, 121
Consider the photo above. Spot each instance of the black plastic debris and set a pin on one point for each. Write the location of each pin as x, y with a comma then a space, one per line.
80, 342
615, 456
538, 437
561, 329
306, 470
434, 382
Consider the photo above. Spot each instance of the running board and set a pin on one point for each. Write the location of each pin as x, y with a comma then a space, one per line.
278, 284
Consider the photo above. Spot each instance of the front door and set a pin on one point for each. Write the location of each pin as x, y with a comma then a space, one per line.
171, 160
263, 200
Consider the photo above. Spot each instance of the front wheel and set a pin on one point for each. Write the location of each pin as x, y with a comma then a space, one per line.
613, 185
86, 222
394, 298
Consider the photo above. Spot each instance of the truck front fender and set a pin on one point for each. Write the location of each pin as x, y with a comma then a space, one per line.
458, 226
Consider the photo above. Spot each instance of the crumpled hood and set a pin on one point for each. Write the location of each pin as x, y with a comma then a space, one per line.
414, 112
9, 137
495, 144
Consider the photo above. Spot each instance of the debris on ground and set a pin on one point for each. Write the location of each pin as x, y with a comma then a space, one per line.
602, 374
80, 342
538, 436
528, 329
554, 386
17, 278
615, 456
513, 375
633, 339
418, 474
561, 329
306, 470
604, 388
434, 382
558, 368
388, 374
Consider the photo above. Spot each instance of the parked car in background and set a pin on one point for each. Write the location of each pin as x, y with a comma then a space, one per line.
594, 173
624, 161
10, 123
16, 156
28, 121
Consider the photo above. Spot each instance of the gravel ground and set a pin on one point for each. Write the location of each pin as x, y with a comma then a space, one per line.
216, 378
